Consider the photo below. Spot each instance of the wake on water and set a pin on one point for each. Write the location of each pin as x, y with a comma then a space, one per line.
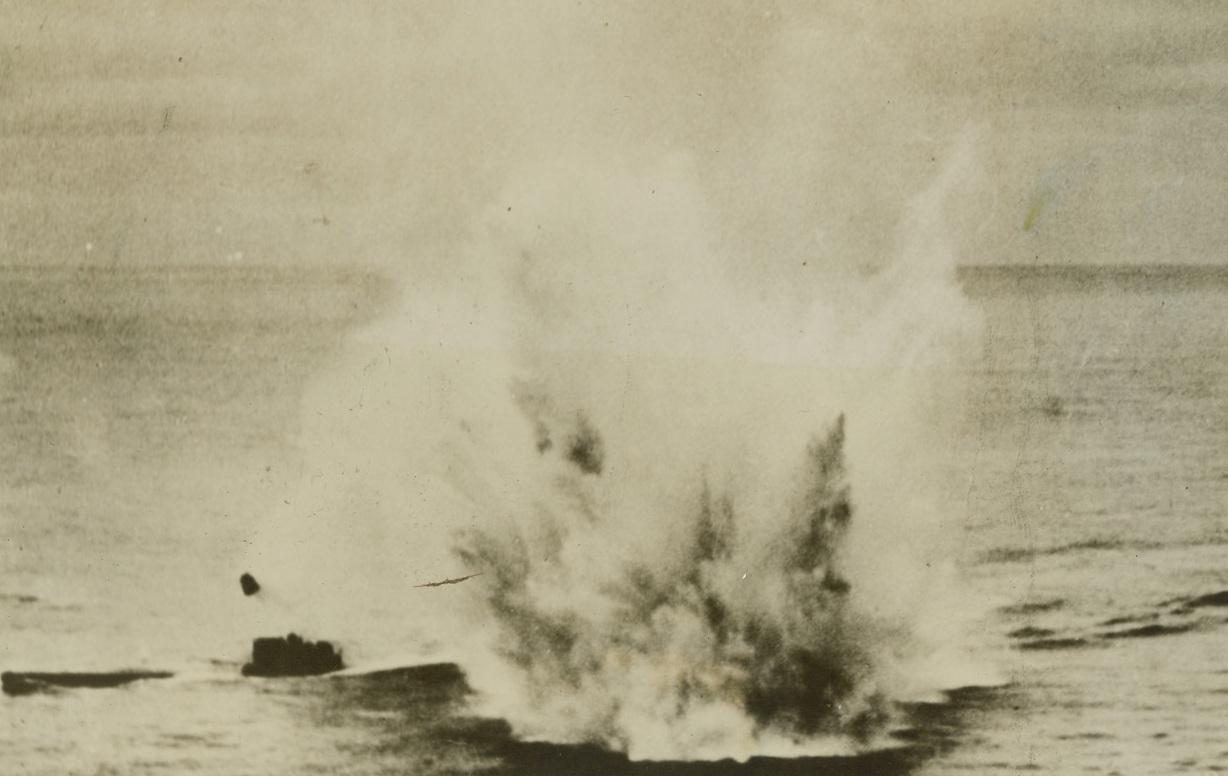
708, 525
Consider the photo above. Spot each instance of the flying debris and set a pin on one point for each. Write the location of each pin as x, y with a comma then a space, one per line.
450, 581
249, 584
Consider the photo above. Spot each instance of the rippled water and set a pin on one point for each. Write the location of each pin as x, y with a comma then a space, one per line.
148, 415
1097, 515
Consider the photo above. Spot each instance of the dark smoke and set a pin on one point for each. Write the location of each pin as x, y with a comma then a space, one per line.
799, 675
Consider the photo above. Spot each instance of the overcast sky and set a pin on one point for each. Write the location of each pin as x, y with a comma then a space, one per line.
178, 131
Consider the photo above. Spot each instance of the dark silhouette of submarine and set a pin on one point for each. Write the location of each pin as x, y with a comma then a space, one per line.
280, 656
271, 657
289, 655
29, 682
292, 656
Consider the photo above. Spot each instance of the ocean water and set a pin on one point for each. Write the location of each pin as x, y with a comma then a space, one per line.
150, 416
1097, 515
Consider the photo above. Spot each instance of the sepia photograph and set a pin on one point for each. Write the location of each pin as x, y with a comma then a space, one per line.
637, 388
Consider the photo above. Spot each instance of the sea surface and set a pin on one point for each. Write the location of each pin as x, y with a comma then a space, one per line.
147, 416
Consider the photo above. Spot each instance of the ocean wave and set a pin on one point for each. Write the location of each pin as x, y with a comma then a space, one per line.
1023, 554
1170, 617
